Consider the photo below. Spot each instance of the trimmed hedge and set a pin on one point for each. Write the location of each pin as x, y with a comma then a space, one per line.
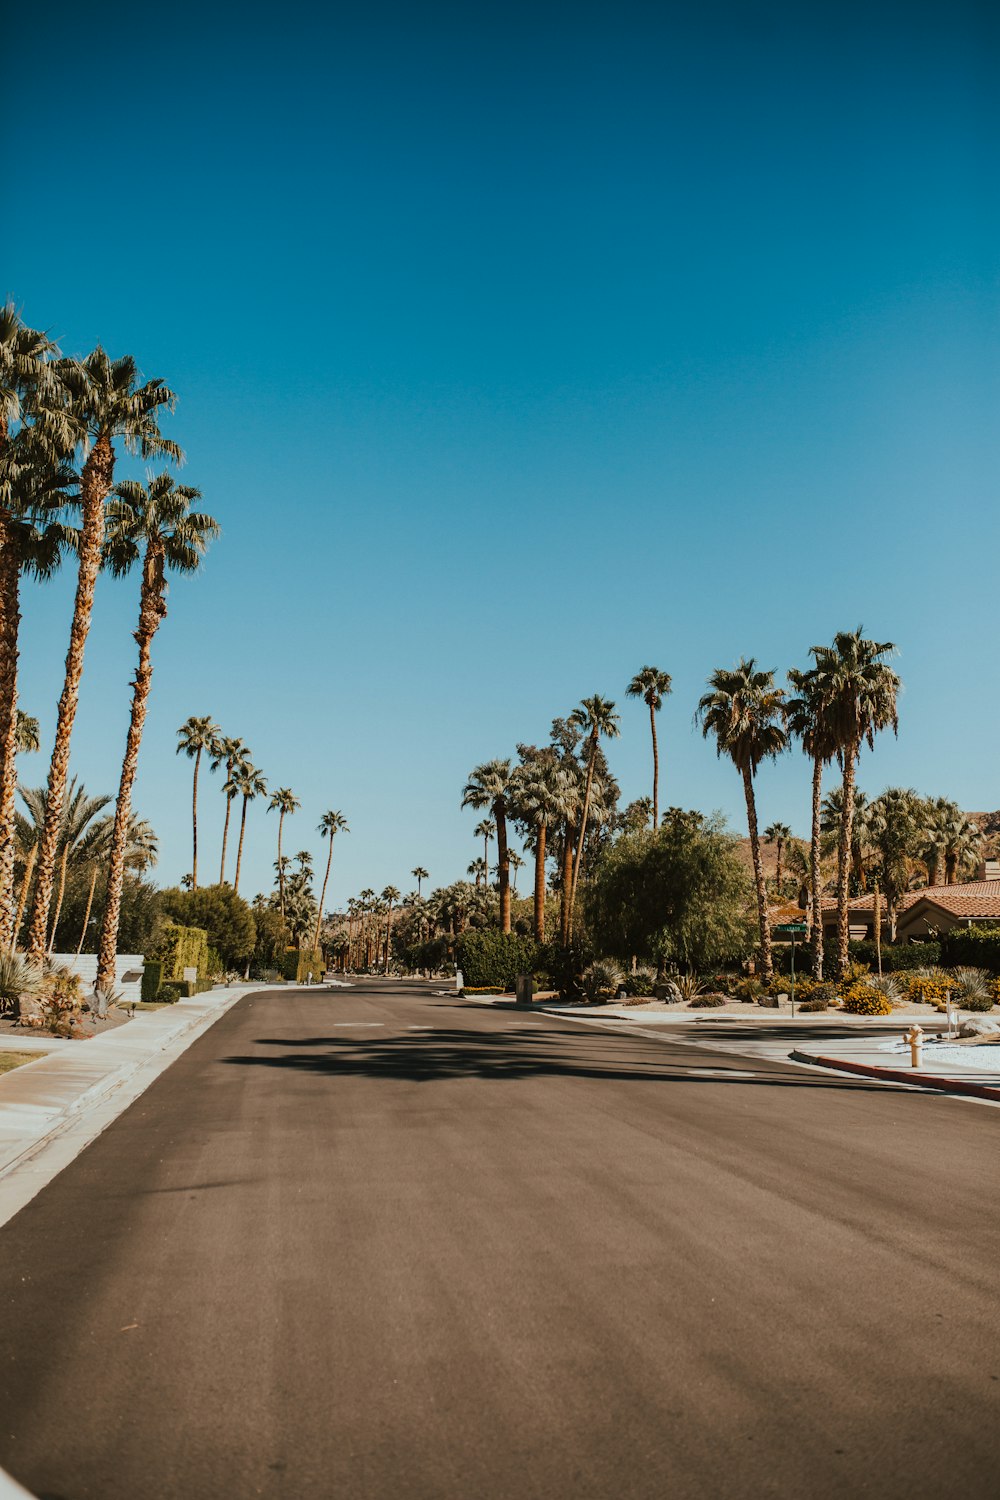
972, 947
489, 959
897, 956
152, 979
296, 964
179, 948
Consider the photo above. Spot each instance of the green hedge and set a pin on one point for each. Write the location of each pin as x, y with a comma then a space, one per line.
897, 956
152, 979
978, 947
178, 948
297, 962
489, 959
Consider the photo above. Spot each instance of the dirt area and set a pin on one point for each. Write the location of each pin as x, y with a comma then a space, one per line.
9, 1026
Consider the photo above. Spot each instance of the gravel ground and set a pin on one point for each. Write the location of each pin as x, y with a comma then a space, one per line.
10, 1027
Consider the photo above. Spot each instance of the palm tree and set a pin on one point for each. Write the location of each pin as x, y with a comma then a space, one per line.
595, 716
390, 895
420, 875
78, 835
861, 690
229, 751
485, 829
141, 851
249, 784
516, 863
489, 786
152, 525
652, 686
285, 801
195, 736
304, 860
28, 733
743, 709
779, 834
543, 793
330, 824
105, 403
477, 869
807, 717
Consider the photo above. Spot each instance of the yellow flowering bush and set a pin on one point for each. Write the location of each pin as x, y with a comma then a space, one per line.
926, 989
861, 999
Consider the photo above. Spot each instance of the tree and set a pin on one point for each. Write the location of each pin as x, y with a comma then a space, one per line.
152, 525
595, 716
420, 875
652, 686
79, 835
489, 786
284, 801
516, 863
141, 852
543, 793
195, 736
679, 894
225, 916
249, 784
27, 731
390, 896
330, 824
807, 717
485, 829
895, 825
861, 691
105, 403
477, 869
743, 709
778, 834
230, 752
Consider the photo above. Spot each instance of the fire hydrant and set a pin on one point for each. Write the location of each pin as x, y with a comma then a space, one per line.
916, 1041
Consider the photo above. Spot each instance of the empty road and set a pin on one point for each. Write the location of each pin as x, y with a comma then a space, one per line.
372, 1243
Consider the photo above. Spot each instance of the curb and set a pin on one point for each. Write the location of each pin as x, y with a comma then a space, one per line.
913, 1078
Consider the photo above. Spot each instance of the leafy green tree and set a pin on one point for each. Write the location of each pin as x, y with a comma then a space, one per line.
860, 690
678, 895
743, 710
652, 686
105, 403
225, 916
152, 525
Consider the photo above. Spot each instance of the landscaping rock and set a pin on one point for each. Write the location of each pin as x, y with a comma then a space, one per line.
30, 1010
979, 1026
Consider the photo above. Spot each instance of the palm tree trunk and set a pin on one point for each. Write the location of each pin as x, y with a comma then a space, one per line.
29, 867
816, 935
844, 849
766, 964
225, 837
59, 898
503, 865
95, 486
10, 619
540, 832
322, 898
777, 872
194, 821
281, 870
151, 612
388, 936
86, 915
566, 883
239, 848
583, 830
656, 769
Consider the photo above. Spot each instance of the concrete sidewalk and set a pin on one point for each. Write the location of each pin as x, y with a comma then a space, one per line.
54, 1106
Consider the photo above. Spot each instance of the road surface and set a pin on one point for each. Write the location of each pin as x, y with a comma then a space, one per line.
372, 1243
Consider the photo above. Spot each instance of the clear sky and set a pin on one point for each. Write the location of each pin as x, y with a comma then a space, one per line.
516, 347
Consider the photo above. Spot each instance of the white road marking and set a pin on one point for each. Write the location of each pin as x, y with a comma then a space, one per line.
718, 1073
359, 1023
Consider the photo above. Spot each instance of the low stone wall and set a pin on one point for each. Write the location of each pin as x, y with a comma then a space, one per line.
128, 971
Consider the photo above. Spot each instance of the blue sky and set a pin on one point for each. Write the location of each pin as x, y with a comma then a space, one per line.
518, 347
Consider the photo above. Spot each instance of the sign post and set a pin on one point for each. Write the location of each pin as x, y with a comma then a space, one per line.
792, 930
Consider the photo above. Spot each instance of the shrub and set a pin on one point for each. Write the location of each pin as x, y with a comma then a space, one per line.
707, 1002
601, 978
62, 996
225, 917
152, 979
640, 984
973, 989
748, 990
977, 946
489, 958
168, 994
863, 999
18, 976
817, 1003
896, 956
179, 948
296, 964
690, 986
927, 988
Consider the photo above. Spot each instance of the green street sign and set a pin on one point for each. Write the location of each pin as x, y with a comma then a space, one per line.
792, 929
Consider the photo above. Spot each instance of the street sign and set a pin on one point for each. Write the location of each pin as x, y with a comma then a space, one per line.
791, 929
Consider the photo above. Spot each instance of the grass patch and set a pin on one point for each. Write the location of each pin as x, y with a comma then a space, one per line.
10, 1060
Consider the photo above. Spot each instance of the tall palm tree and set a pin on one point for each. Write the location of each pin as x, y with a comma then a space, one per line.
105, 403
76, 827
154, 526
477, 869
390, 896
861, 690
596, 717
652, 686
778, 834
420, 875
543, 793
141, 851
489, 786
516, 863
229, 751
743, 709
304, 860
197, 735
249, 784
330, 824
284, 801
808, 719
485, 829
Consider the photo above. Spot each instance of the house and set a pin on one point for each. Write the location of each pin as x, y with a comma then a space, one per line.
920, 914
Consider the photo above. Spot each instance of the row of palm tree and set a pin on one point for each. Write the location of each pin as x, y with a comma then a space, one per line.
62, 422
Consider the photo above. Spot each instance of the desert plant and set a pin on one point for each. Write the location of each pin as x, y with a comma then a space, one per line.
602, 977
707, 1002
887, 985
690, 986
748, 990
862, 999
973, 989
18, 976
640, 984
927, 986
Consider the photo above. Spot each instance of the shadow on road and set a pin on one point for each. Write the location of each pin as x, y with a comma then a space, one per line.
504, 1055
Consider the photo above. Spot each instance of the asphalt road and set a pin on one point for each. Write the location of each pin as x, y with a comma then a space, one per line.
504, 1258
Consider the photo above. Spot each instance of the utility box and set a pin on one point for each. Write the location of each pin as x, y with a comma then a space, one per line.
523, 989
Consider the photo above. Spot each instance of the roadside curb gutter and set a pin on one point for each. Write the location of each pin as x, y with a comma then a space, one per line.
914, 1077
